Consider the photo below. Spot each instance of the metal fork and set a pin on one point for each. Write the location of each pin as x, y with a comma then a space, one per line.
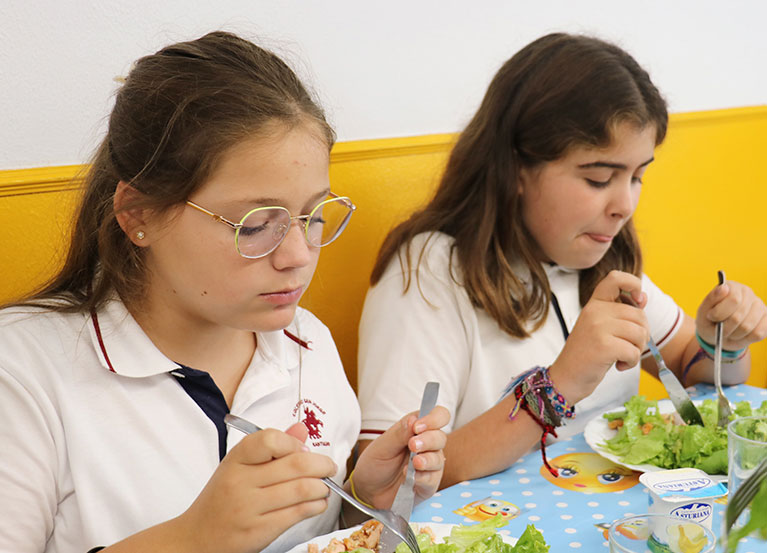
744, 495
393, 522
725, 410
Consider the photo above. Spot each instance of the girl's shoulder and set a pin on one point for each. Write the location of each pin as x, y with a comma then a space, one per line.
35, 319
427, 254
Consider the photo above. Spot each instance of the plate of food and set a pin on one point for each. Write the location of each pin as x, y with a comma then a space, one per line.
647, 435
432, 533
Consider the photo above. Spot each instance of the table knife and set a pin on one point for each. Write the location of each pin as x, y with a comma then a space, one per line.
403, 501
676, 392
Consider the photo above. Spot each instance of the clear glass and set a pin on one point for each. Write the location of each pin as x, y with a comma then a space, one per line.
654, 533
744, 454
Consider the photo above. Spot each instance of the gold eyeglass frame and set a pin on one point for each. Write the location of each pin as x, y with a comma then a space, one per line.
303, 219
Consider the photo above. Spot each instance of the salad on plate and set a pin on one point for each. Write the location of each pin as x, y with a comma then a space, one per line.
645, 435
437, 538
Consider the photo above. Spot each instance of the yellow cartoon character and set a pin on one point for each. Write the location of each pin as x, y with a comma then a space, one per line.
590, 472
487, 508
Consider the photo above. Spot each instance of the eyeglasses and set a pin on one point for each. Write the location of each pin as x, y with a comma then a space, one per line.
262, 229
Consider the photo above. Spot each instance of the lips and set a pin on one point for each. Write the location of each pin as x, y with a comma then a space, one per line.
283, 297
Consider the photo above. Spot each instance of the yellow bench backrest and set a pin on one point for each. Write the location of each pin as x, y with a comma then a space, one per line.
702, 209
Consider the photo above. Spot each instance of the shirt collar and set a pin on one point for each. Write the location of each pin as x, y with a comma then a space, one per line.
123, 347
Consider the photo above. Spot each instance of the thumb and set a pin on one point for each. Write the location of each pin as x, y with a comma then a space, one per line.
298, 431
716, 295
396, 437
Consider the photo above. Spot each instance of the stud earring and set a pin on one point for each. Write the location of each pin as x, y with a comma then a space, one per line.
140, 235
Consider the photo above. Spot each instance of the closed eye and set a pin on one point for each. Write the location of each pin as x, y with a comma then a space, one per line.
598, 183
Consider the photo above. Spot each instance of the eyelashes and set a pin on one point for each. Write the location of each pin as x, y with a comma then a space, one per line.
603, 184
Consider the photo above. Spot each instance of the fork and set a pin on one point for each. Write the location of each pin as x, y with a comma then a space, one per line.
393, 522
744, 495
724, 404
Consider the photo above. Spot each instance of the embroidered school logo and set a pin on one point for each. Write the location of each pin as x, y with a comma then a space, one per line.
312, 424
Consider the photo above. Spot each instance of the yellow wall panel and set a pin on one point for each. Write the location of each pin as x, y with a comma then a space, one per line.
702, 209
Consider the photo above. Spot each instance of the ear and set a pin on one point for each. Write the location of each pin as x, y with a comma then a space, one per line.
524, 177
133, 221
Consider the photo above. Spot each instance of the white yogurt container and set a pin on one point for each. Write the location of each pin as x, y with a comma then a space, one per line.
684, 493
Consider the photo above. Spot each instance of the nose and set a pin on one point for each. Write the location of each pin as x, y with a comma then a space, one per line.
624, 199
294, 251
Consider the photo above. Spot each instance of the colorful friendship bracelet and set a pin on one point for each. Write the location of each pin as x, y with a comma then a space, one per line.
726, 354
535, 393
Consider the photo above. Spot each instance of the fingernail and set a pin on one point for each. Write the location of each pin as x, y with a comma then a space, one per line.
418, 445
305, 447
420, 427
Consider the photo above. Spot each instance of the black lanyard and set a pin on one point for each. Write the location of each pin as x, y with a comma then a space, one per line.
558, 311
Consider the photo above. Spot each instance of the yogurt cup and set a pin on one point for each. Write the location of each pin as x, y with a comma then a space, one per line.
685, 493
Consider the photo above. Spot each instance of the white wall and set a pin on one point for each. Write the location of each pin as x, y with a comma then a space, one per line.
381, 69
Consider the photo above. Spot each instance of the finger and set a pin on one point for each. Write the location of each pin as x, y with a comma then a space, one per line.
288, 516
736, 302
435, 419
291, 492
622, 311
716, 295
609, 289
743, 332
429, 461
298, 431
627, 353
300, 465
263, 446
432, 440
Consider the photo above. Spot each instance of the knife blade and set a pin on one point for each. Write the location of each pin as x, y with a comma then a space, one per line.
676, 392
403, 501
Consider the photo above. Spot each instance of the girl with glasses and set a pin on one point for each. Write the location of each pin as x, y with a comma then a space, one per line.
116, 376
505, 288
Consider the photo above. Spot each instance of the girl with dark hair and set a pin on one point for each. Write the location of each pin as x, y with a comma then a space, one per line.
177, 304
506, 286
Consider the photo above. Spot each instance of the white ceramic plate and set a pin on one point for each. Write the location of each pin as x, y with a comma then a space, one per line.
440, 530
597, 432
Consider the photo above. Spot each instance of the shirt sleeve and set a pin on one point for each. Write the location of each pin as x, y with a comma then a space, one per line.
408, 338
664, 316
28, 469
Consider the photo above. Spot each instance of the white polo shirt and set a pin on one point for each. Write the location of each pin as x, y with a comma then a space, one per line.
98, 441
406, 340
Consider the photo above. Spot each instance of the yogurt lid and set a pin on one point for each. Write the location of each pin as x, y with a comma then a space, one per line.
682, 484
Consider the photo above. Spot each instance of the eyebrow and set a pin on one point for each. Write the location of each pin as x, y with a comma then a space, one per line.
611, 165
265, 202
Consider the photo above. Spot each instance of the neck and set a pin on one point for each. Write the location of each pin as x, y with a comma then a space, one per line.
223, 352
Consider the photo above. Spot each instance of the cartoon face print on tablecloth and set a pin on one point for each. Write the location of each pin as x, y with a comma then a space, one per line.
487, 508
590, 472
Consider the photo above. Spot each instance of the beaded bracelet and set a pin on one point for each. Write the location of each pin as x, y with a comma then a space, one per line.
726, 354
535, 393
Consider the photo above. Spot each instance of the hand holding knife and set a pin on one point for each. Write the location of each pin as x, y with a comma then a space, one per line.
676, 392
403, 501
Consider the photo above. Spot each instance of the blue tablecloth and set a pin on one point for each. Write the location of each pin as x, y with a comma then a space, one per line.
573, 513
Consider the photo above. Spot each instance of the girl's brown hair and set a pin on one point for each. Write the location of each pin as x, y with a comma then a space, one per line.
559, 91
177, 113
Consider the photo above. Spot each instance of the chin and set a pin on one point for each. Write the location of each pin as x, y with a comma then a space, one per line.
275, 320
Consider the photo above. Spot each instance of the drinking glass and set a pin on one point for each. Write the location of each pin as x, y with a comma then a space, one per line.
746, 447
655, 533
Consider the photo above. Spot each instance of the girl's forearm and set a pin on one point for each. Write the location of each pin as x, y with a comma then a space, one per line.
489, 443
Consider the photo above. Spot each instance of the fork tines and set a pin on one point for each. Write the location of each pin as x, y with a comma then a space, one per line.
744, 494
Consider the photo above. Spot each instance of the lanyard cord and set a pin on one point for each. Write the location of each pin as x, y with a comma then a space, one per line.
300, 368
558, 311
